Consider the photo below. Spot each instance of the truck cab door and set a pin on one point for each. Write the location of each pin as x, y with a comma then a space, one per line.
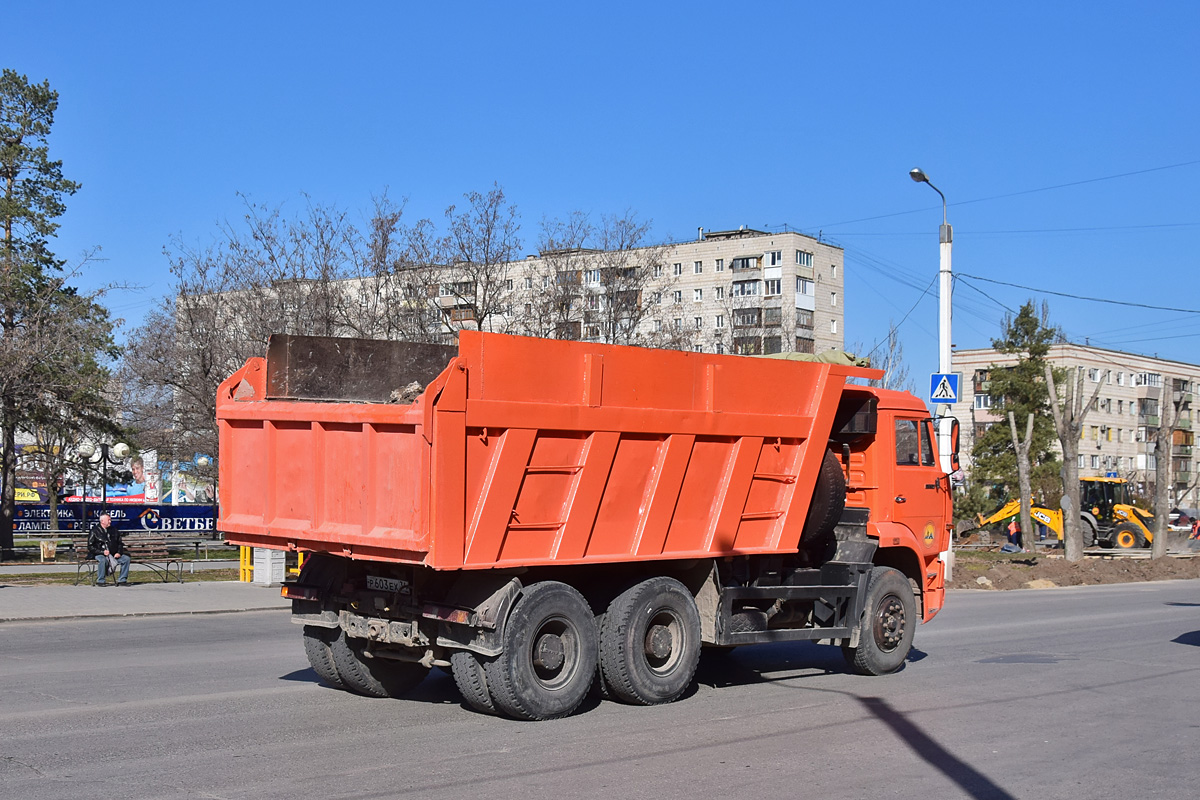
920, 485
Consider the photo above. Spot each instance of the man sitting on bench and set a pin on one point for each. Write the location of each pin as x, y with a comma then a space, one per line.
105, 545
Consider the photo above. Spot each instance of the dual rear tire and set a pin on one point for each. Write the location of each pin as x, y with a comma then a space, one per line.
343, 663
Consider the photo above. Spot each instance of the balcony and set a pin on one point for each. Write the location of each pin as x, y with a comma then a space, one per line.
1184, 424
1149, 420
1182, 450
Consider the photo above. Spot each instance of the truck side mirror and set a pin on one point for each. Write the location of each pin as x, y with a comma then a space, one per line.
955, 464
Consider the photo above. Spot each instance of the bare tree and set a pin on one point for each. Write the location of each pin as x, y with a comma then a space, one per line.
482, 241
1169, 409
1068, 422
631, 271
895, 369
1023, 480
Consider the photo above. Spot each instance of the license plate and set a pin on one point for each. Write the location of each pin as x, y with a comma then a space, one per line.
386, 584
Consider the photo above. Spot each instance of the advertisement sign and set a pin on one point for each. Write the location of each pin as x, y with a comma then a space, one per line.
191, 520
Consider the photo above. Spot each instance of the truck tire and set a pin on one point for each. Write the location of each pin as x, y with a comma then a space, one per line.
650, 642
374, 677
1127, 536
317, 646
549, 655
828, 501
887, 625
469, 676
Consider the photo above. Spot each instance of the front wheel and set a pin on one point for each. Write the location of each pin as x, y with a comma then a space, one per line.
887, 625
1127, 536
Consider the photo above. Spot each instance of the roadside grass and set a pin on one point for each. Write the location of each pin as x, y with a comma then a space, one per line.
136, 577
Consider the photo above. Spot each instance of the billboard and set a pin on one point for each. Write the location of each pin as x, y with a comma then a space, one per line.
190, 520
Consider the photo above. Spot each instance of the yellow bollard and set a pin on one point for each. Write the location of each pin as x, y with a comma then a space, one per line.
246, 564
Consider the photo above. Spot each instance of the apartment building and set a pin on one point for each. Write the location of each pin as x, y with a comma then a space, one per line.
738, 291
1122, 426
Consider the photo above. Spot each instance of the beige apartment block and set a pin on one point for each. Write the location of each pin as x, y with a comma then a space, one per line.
738, 291
1122, 425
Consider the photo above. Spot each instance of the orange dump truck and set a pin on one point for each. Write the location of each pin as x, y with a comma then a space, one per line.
543, 516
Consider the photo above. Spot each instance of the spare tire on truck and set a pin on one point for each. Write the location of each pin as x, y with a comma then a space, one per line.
828, 503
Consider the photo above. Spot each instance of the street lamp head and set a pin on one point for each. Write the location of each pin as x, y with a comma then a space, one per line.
203, 461
917, 175
120, 450
86, 451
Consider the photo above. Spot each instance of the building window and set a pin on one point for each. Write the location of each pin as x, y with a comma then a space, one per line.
697, 267
1148, 379
720, 265
745, 288
773, 317
698, 322
508, 284
677, 323
803, 259
1094, 375
545, 281
657, 325
747, 317
804, 319
833, 272
833, 326
805, 345
775, 258
657, 298
772, 344
593, 276
1120, 379
720, 348
833, 299
1095, 462
720, 292
677, 269
699, 348
697, 295
529, 283
804, 286
658, 270
719, 322
773, 286
983, 401
678, 296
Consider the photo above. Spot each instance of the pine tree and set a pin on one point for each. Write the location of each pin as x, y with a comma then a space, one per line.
1021, 389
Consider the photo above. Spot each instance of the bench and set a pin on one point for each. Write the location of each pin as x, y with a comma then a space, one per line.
149, 551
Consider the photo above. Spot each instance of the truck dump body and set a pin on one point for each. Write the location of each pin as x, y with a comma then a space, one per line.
527, 452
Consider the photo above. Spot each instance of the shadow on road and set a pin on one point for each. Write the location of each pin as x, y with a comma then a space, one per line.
1191, 637
969, 779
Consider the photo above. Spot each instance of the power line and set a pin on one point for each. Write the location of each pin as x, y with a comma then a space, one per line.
1016, 194
901, 322
1081, 297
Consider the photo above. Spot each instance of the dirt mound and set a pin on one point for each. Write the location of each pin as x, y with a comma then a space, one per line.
974, 570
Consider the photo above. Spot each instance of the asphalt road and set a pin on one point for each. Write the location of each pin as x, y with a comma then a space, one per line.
1088, 692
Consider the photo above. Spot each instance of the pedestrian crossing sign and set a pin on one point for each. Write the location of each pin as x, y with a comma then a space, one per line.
943, 387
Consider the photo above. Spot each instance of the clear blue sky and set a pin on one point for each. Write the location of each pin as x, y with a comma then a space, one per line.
692, 114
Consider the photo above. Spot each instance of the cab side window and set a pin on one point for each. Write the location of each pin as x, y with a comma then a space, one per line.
914, 445
907, 442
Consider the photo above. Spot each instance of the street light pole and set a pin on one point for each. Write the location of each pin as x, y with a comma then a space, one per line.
118, 453
945, 446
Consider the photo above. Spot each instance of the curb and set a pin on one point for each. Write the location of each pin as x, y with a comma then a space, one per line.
79, 618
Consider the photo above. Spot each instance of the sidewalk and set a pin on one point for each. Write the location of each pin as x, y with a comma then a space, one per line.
23, 603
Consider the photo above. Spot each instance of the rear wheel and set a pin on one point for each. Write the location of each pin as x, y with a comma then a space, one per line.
318, 647
374, 677
1127, 536
887, 626
471, 678
650, 642
550, 654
